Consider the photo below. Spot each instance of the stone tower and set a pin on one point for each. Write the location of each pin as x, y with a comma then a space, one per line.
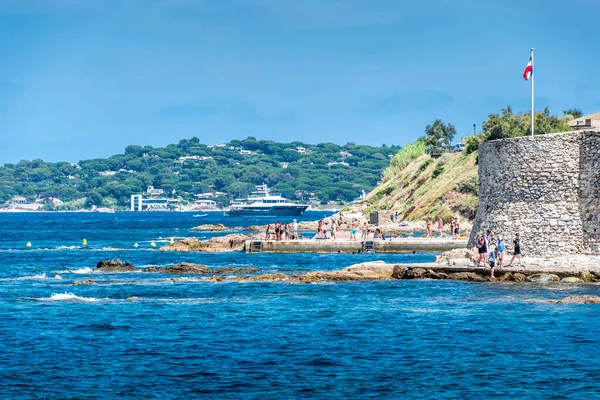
545, 187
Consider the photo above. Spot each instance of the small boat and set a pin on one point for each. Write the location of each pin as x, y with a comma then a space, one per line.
200, 215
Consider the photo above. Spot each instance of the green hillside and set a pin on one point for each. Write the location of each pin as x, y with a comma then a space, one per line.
429, 187
322, 173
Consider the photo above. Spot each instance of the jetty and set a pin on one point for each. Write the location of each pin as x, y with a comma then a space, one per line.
396, 245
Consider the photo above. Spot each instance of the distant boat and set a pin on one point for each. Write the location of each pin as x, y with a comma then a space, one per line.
200, 215
262, 203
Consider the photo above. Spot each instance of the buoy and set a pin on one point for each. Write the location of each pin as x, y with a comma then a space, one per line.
152, 244
28, 244
85, 242
136, 245
172, 240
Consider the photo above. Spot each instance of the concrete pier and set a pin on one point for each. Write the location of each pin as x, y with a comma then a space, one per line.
407, 245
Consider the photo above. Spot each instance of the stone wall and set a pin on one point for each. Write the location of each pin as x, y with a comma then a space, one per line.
589, 199
545, 187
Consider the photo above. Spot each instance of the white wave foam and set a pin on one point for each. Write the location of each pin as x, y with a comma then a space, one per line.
66, 248
27, 278
32, 277
68, 297
85, 270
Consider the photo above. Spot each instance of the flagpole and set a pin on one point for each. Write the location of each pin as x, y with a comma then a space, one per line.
532, 108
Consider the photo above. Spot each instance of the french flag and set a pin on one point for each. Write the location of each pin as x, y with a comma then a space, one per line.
528, 70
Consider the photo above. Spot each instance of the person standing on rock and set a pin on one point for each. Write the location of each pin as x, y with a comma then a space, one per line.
365, 231
333, 229
488, 241
452, 225
268, 232
493, 257
319, 228
428, 229
440, 226
456, 228
286, 231
501, 248
481, 249
295, 230
353, 229
516, 249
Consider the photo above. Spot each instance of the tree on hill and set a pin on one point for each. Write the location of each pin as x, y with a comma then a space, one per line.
439, 134
573, 112
508, 124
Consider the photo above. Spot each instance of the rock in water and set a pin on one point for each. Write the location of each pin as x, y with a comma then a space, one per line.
210, 228
519, 277
571, 279
581, 299
587, 276
86, 282
415, 273
181, 268
115, 266
506, 277
543, 278
467, 276
431, 274
399, 271
132, 298
214, 245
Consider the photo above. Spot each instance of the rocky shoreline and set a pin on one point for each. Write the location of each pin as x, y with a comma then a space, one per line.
453, 265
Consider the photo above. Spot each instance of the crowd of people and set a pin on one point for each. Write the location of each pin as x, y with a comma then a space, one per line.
494, 255
454, 228
282, 231
325, 230
331, 229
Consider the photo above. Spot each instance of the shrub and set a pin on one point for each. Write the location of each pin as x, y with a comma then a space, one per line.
467, 207
472, 143
468, 185
423, 167
403, 158
437, 171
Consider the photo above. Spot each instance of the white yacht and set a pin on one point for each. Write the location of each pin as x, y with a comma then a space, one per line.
263, 203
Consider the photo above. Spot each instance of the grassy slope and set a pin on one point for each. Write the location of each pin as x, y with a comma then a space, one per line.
417, 195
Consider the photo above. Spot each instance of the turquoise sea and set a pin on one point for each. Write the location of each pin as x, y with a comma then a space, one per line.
396, 339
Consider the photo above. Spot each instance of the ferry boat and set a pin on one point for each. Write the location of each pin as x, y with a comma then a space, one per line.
263, 203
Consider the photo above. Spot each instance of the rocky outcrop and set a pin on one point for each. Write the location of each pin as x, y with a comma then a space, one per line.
217, 244
458, 257
543, 278
189, 268
115, 266
181, 268
377, 270
86, 282
581, 299
210, 228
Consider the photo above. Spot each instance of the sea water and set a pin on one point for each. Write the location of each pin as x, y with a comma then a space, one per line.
188, 338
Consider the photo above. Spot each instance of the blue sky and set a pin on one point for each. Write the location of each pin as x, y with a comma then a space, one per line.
85, 78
